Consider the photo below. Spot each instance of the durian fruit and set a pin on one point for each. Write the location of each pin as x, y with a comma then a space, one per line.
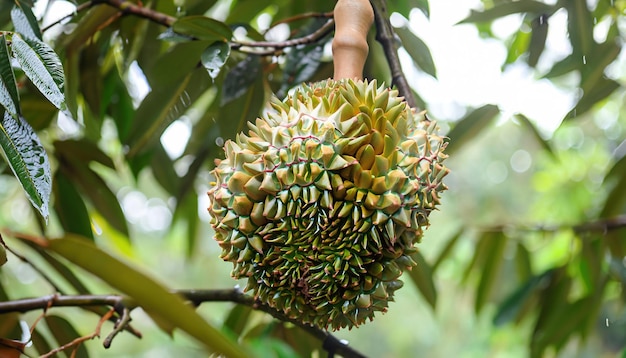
321, 203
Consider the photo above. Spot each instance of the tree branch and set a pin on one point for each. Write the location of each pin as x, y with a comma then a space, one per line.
603, 225
385, 35
196, 297
140, 11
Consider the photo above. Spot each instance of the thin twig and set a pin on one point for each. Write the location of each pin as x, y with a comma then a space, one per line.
80, 340
385, 35
279, 45
306, 15
78, 9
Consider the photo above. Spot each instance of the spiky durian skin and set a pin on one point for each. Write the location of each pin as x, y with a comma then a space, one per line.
321, 203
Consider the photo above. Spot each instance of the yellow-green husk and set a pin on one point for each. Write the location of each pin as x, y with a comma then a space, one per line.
320, 205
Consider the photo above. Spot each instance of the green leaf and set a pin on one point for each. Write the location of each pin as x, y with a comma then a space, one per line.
236, 113
24, 22
523, 263
240, 78
493, 260
9, 96
174, 66
42, 66
39, 341
404, 7
446, 250
539, 28
600, 57
580, 27
62, 268
187, 210
203, 28
70, 207
422, 277
153, 116
3, 255
518, 46
514, 304
417, 49
82, 150
565, 320
507, 8
64, 333
237, 319
564, 66
214, 57
148, 293
163, 170
602, 89
94, 188
122, 111
28, 160
535, 133
470, 126
302, 62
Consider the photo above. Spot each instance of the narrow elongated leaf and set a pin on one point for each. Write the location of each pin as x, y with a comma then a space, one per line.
302, 62
422, 277
518, 46
25, 22
163, 169
155, 110
9, 97
446, 250
513, 305
496, 242
42, 66
404, 7
566, 65
147, 293
602, 89
417, 49
600, 57
172, 67
237, 319
28, 160
64, 333
82, 150
244, 108
70, 207
580, 27
539, 28
39, 341
203, 28
214, 57
240, 78
187, 210
523, 263
535, 133
470, 126
567, 319
94, 187
3, 255
63, 270
507, 8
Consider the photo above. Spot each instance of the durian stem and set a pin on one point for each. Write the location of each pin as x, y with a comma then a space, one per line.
353, 19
